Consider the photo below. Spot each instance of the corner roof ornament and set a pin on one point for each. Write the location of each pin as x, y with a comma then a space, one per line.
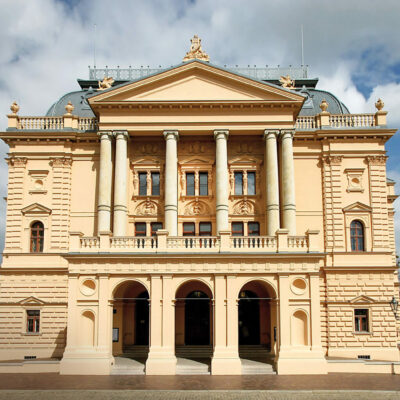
196, 52
287, 82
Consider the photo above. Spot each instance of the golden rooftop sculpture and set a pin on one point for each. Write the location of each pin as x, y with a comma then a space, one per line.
286, 82
106, 83
69, 108
196, 52
14, 107
379, 104
324, 105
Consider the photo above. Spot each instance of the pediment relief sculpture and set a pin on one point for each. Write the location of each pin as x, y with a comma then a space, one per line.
147, 148
147, 208
197, 207
196, 52
244, 207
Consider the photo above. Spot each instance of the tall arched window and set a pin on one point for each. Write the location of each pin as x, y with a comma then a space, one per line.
357, 236
37, 237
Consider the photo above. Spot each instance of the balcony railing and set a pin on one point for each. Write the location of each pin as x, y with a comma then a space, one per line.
225, 243
303, 122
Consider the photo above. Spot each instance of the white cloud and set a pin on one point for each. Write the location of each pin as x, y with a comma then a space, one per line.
47, 44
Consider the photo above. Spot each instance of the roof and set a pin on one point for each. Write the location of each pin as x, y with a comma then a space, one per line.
310, 106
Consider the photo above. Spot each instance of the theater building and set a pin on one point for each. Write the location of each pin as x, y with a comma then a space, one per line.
198, 219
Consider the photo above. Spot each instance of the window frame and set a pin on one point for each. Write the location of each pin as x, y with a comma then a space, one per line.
233, 232
191, 174
187, 224
145, 229
152, 173
358, 326
235, 174
248, 228
153, 232
255, 183
204, 185
38, 239
355, 238
209, 232
36, 321
142, 174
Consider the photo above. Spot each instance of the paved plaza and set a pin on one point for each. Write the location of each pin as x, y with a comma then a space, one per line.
332, 386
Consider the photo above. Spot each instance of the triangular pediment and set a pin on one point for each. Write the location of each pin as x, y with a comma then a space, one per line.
36, 209
32, 301
196, 82
362, 299
357, 207
196, 160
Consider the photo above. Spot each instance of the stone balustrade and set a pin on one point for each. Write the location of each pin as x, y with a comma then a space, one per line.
303, 122
282, 242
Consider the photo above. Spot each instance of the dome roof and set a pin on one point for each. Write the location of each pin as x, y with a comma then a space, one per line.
78, 99
310, 106
314, 98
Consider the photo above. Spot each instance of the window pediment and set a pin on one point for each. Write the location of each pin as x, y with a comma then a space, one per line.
36, 209
362, 299
357, 207
32, 301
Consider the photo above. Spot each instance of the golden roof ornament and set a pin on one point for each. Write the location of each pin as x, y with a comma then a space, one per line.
379, 104
69, 108
286, 82
106, 83
14, 108
196, 52
324, 105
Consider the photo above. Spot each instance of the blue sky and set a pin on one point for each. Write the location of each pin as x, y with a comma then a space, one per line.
352, 46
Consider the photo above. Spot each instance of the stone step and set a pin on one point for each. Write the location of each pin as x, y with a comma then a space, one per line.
256, 367
127, 366
191, 367
254, 351
194, 351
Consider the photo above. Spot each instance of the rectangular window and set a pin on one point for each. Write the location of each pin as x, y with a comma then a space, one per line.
253, 228
32, 321
237, 229
203, 190
251, 183
140, 229
189, 229
155, 183
205, 229
361, 320
239, 183
155, 226
189, 184
142, 183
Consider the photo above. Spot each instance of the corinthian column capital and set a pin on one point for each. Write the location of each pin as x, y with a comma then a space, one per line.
271, 133
171, 135
287, 133
221, 133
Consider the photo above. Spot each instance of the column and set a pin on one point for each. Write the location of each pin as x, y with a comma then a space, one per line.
272, 181
120, 183
105, 181
171, 182
315, 314
226, 359
288, 191
222, 183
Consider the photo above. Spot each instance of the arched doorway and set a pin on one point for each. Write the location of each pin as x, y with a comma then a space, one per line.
257, 321
131, 320
194, 322
197, 318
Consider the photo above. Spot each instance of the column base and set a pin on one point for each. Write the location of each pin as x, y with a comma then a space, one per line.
161, 363
226, 363
86, 363
301, 363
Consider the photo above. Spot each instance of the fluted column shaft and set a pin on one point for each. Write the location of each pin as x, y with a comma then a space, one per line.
105, 183
222, 183
120, 183
171, 182
288, 189
272, 181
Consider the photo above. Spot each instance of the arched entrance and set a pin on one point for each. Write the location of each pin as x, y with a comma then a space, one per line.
131, 320
193, 327
257, 320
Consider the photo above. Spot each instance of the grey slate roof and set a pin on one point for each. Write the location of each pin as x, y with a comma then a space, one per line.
310, 107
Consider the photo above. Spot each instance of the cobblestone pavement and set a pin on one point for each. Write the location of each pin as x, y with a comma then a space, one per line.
195, 395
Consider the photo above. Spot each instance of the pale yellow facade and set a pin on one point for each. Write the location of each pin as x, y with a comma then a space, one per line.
248, 156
